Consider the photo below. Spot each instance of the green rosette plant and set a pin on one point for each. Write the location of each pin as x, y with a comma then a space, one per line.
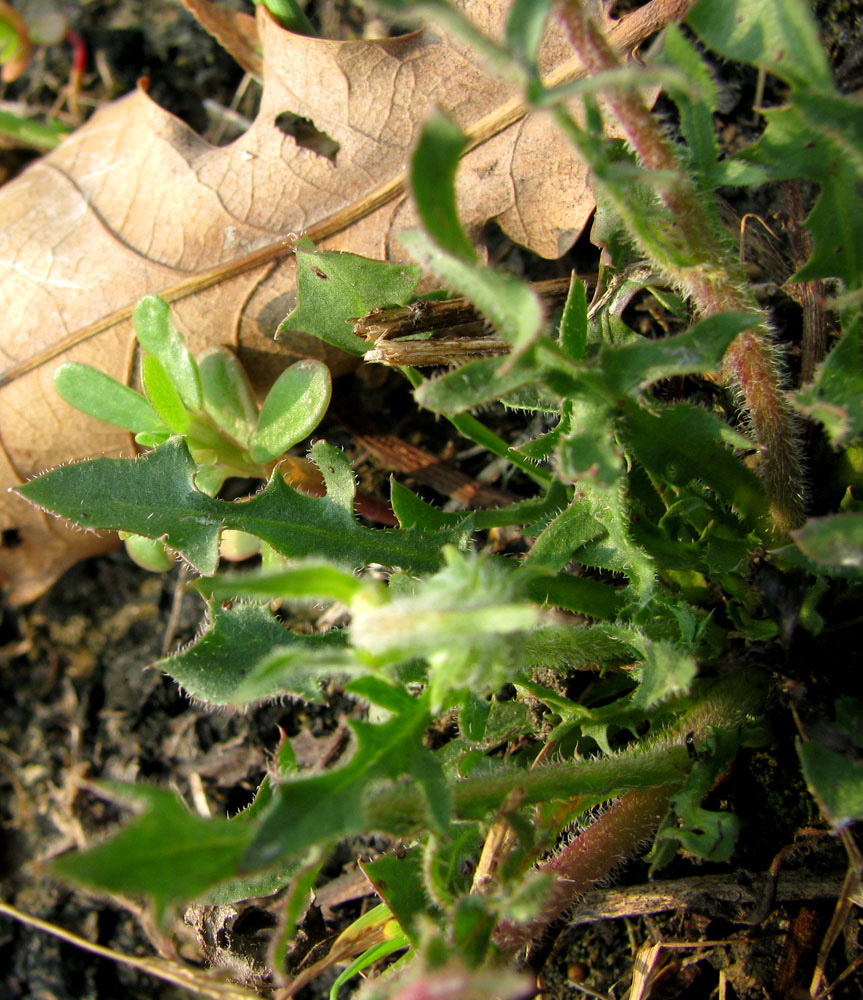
647, 519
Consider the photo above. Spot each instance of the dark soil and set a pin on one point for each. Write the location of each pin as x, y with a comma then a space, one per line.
79, 705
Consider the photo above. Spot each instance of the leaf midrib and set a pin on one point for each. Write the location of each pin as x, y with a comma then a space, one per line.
625, 35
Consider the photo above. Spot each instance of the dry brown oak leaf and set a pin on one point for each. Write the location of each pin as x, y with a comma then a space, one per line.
134, 202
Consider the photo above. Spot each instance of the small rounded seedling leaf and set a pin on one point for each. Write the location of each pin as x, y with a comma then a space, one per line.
210, 479
149, 553
157, 333
163, 394
235, 546
103, 397
292, 410
228, 396
152, 439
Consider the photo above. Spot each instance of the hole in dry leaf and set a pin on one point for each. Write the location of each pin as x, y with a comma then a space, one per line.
305, 134
10, 539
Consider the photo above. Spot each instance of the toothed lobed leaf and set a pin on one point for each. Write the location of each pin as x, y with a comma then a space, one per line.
216, 668
334, 288
166, 854
706, 833
780, 35
328, 807
816, 135
155, 496
399, 883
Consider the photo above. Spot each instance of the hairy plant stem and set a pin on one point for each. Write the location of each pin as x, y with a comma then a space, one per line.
588, 859
402, 809
712, 277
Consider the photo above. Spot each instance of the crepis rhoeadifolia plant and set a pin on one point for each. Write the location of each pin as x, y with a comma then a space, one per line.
640, 532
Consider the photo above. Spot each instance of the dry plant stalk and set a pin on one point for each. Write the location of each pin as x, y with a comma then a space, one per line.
458, 330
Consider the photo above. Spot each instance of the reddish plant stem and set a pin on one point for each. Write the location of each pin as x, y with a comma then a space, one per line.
587, 860
713, 281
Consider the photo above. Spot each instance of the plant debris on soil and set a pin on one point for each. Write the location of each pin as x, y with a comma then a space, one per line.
79, 704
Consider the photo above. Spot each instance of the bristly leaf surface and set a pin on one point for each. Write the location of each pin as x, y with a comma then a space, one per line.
155, 496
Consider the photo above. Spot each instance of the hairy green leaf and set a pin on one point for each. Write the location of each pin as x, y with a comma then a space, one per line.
398, 880
468, 620
334, 288
703, 832
589, 452
577, 646
667, 671
836, 781
835, 540
303, 580
166, 854
511, 307
524, 511
299, 670
696, 110
578, 594
155, 496
682, 443
700, 349
433, 167
474, 384
837, 118
572, 528
327, 807
780, 35
412, 511
797, 143
215, 667
572, 335
835, 397
617, 550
